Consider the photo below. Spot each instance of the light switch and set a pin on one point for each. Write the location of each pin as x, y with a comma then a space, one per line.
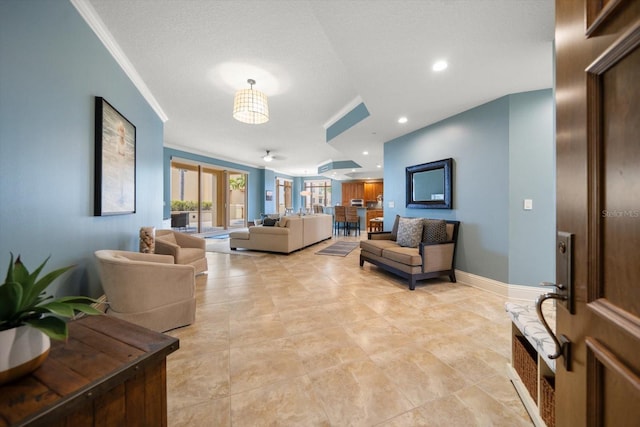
392, 204
528, 204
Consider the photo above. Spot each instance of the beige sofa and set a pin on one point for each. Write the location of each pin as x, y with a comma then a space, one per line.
290, 234
427, 260
148, 289
184, 248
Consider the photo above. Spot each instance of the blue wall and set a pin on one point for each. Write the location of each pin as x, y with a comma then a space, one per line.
270, 184
532, 175
51, 68
479, 141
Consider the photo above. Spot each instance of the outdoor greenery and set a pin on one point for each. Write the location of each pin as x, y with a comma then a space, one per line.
238, 183
23, 301
189, 205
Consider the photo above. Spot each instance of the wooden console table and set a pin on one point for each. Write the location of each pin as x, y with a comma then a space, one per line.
108, 373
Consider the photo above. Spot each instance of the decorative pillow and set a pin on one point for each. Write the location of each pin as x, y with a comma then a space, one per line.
394, 230
269, 222
435, 231
283, 222
409, 232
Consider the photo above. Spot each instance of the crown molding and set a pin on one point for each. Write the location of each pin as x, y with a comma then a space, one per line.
90, 16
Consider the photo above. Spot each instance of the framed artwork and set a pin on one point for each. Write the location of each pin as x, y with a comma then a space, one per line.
269, 195
115, 161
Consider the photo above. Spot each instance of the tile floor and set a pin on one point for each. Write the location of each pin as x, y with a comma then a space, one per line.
313, 340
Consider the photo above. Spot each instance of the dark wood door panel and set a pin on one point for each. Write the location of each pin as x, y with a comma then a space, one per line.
614, 129
598, 194
611, 378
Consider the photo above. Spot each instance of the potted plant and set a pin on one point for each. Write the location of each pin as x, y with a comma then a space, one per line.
29, 318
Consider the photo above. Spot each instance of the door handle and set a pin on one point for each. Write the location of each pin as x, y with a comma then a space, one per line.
564, 267
563, 344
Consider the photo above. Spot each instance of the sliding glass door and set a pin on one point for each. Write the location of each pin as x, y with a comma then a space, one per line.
284, 195
237, 200
206, 200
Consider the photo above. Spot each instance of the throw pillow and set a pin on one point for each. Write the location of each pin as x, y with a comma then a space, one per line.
283, 222
435, 231
409, 232
269, 222
394, 230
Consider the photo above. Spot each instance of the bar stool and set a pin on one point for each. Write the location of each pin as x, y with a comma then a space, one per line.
375, 224
339, 218
353, 219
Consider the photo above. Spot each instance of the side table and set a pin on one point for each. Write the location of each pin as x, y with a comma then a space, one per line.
108, 373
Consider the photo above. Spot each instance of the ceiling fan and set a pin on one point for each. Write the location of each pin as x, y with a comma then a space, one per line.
268, 157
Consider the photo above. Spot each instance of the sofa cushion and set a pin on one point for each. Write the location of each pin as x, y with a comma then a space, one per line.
434, 231
403, 255
409, 232
377, 246
244, 235
394, 230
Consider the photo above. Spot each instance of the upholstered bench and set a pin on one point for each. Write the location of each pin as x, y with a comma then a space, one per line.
531, 371
424, 258
525, 318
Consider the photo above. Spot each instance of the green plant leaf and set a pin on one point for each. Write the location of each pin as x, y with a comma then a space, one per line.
21, 274
54, 327
23, 300
9, 277
75, 299
10, 296
37, 288
61, 309
87, 309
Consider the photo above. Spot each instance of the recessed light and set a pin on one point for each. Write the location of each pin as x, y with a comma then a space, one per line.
378, 166
403, 120
353, 170
439, 65
366, 153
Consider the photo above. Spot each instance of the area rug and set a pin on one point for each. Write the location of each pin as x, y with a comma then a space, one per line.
339, 249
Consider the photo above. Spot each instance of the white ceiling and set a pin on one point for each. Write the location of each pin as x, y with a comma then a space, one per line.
315, 58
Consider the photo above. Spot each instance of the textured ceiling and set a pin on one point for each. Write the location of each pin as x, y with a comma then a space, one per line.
315, 58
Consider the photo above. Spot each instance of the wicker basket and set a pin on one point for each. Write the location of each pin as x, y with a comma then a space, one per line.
525, 362
548, 401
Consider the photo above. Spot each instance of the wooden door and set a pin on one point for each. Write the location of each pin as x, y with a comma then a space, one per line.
598, 201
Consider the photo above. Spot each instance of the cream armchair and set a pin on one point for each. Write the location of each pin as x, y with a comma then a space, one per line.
184, 248
148, 289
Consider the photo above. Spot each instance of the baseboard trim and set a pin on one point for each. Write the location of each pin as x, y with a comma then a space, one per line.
513, 292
